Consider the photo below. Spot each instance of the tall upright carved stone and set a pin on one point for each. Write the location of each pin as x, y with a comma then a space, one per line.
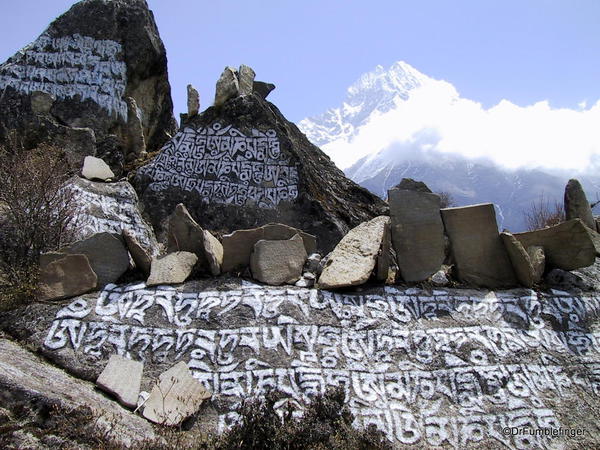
242, 164
89, 61
577, 205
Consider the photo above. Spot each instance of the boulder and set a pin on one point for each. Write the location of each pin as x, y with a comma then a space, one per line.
228, 86
262, 89
173, 268
193, 101
352, 261
111, 50
106, 253
476, 247
567, 246
417, 232
278, 262
96, 169
577, 205
122, 378
246, 80
520, 259
537, 258
238, 246
241, 165
175, 397
140, 257
64, 276
213, 251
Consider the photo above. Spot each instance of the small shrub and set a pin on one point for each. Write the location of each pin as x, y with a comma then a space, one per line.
446, 199
543, 213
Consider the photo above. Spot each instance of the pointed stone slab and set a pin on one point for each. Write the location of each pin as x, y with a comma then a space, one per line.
213, 250
417, 233
63, 276
140, 257
227, 86
173, 268
122, 378
520, 260
175, 397
568, 245
352, 261
576, 204
476, 246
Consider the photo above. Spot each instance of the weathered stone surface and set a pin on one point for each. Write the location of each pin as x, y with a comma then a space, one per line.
312, 263
417, 232
122, 378
387, 256
246, 79
66, 276
140, 257
41, 102
109, 207
228, 86
272, 173
106, 253
597, 220
193, 101
237, 246
567, 246
135, 143
26, 379
476, 247
112, 50
213, 251
408, 184
520, 259
278, 262
577, 205
96, 169
353, 259
440, 278
173, 268
262, 89
176, 396
566, 281
537, 258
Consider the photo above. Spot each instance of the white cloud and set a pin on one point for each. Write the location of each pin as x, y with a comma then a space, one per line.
510, 135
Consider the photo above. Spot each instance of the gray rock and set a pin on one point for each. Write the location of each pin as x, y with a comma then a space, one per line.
476, 247
227, 86
175, 397
577, 205
140, 257
246, 79
185, 235
213, 250
25, 377
417, 233
408, 184
106, 253
262, 89
312, 263
567, 246
122, 378
520, 259
63, 276
41, 102
193, 101
278, 262
386, 260
134, 138
352, 261
597, 220
440, 279
238, 246
173, 268
566, 281
537, 258
96, 169
305, 282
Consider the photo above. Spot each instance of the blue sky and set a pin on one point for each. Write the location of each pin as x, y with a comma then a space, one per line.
524, 51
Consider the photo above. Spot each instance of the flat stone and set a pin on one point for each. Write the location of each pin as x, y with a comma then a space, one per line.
193, 101
577, 205
519, 258
141, 258
476, 246
106, 253
238, 246
66, 275
246, 79
227, 86
213, 251
352, 261
96, 169
173, 268
185, 235
175, 397
568, 245
417, 233
262, 89
386, 257
122, 378
278, 262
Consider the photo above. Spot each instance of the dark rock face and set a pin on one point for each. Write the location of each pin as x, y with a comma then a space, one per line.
90, 61
242, 165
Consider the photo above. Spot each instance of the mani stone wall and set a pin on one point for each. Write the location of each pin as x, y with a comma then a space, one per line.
242, 165
89, 62
452, 368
